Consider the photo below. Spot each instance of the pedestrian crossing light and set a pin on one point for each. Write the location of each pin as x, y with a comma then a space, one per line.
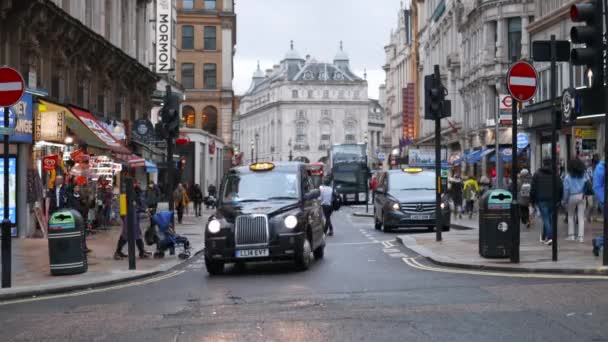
591, 35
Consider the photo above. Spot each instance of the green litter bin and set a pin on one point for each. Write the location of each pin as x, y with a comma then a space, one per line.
66, 243
495, 224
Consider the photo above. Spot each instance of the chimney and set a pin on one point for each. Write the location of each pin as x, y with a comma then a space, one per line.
268, 72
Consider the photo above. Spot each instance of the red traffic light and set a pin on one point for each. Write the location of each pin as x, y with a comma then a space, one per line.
582, 12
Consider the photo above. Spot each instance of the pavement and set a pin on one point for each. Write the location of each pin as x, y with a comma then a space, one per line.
459, 248
30, 261
366, 288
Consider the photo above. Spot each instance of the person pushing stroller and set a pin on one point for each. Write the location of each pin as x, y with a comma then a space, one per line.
162, 233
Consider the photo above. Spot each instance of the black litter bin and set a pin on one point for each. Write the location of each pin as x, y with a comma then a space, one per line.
66, 243
495, 224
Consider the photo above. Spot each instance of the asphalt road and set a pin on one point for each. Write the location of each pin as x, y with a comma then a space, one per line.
362, 291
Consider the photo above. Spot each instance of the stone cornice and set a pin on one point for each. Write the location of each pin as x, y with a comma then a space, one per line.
551, 18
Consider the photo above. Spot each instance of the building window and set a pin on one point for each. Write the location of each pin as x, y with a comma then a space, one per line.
118, 109
300, 133
187, 37
210, 120
301, 115
210, 76
101, 102
210, 4
325, 94
188, 75
187, 4
294, 94
55, 86
341, 94
188, 116
514, 38
210, 38
325, 113
310, 94
349, 139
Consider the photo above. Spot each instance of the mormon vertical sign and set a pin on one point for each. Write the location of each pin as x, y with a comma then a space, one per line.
164, 27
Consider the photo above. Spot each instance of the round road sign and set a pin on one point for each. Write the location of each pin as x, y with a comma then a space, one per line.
12, 87
522, 81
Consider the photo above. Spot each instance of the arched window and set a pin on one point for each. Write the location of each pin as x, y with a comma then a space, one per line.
300, 132
188, 116
210, 120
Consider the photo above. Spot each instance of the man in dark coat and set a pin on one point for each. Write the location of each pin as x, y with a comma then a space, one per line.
57, 198
542, 197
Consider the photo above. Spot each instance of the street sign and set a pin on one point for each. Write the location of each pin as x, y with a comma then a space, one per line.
541, 50
522, 81
6, 130
569, 106
381, 156
12, 87
522, 140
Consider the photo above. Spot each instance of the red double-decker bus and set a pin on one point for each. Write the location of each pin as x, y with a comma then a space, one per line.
316, 172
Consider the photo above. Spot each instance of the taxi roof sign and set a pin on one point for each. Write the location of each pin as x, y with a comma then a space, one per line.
413, 170
261, 166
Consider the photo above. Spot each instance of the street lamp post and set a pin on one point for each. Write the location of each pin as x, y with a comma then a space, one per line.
366, 176
257, 139
290, 154
252, 146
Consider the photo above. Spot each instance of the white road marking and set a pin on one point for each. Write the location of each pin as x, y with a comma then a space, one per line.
415, 264
398, 255
390, 250
85, 292
352, 243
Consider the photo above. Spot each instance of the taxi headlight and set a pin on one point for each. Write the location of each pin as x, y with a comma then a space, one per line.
442, 205
396, 206
290, 222
214, 226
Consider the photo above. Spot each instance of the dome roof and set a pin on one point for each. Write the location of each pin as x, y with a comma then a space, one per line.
258, 73
292, 53
341, 55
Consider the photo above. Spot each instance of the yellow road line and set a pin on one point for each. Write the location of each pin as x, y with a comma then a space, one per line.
412, 262
92, 291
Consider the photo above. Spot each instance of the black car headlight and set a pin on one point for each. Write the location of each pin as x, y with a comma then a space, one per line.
290, 222
214, 226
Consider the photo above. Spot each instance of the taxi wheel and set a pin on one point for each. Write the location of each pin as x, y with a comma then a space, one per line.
214, 267
377, 224
320, 251
304, 258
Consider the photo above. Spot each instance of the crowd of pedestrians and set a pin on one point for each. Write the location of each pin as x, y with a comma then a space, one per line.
580, 195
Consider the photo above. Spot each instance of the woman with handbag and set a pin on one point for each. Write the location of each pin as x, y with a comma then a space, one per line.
575, 187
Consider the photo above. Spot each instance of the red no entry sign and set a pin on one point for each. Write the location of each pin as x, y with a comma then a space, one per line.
11, 87
522, 81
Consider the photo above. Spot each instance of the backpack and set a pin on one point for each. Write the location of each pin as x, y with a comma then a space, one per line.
525, 190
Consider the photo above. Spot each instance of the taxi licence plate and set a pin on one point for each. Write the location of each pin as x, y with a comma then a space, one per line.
421, 217
350, 197
252, 253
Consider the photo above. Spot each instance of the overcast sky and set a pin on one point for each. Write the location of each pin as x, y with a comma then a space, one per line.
265, 27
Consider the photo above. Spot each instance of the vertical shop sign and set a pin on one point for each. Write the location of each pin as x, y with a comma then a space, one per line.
12, 191
20, 118
164, 27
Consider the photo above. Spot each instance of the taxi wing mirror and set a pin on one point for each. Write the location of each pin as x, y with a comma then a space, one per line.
312, 194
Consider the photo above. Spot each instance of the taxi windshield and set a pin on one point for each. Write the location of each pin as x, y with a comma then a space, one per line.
412, 181
260, 186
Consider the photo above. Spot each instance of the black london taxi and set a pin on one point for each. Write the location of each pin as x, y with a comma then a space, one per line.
265, 212
406, 198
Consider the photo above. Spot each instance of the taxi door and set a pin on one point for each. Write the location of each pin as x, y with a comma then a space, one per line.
313, 212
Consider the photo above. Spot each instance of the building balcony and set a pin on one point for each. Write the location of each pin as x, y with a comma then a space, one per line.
301, 147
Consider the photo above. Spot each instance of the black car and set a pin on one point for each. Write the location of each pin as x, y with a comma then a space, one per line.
265, 211
406, 198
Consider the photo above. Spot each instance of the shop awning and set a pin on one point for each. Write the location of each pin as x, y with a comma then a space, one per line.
151, 167
478, 155
82, 132
506, 154
95, 126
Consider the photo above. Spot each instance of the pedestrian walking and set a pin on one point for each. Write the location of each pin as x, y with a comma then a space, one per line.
78, 201
197, 199
575, 184
152, 197
456, 194
470, 193
524, 192
140, 212
598, 190
57, 197
181, 200
542, 196
327, 199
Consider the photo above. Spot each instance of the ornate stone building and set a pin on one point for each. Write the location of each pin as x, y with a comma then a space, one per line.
90, 53
301, 107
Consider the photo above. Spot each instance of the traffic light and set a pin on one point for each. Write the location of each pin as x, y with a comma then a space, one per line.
591, 35
170, 120
435, 104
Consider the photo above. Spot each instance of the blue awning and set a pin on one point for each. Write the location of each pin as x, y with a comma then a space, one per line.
479, 154
506, 154
151, 167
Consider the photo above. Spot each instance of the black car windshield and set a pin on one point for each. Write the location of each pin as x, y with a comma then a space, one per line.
411, 181
260, 186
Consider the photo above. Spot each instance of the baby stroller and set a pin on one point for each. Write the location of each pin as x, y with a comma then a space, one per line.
209, 201
162, 234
